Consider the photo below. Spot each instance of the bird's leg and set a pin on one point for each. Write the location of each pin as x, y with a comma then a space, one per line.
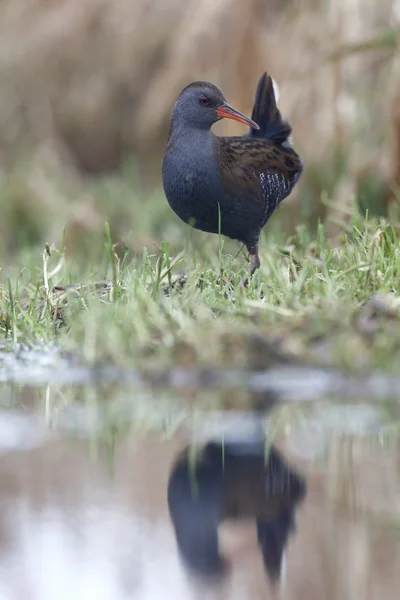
254, 262
254, 259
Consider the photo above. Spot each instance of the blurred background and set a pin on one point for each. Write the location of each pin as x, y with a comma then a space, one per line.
87, 87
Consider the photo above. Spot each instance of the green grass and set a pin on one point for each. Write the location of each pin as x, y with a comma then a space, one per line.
320, 302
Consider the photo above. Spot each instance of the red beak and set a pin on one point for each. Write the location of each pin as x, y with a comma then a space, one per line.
227, 112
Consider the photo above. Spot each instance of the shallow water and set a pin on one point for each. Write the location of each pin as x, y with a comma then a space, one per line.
86, 474
284, 382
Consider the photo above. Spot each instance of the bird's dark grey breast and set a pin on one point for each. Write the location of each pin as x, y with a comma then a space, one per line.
193, 187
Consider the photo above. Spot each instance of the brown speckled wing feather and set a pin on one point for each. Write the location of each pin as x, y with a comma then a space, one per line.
267, 172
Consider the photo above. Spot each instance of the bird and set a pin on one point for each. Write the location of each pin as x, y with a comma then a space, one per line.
228, 184
233, 481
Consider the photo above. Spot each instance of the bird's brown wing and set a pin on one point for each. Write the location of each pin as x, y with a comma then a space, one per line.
264, 170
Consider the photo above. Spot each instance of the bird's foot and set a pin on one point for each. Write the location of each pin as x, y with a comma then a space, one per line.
246, 281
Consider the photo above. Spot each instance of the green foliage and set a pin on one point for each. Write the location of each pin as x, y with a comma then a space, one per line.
312, 298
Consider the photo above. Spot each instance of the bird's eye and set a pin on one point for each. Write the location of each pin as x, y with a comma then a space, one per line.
204, 101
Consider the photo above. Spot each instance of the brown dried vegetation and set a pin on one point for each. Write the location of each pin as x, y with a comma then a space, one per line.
87, 83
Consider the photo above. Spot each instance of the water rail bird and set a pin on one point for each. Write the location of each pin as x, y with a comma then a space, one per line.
228, 185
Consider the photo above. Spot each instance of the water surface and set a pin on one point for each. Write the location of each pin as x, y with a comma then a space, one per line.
113, 493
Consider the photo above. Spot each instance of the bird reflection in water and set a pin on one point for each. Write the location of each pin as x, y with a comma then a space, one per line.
234, 481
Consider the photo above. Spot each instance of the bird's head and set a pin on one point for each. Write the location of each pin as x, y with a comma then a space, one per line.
201, 104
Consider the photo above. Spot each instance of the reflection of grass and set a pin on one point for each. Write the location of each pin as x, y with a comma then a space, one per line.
136, 308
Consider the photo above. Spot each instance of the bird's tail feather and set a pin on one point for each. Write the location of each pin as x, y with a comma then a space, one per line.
266, 113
